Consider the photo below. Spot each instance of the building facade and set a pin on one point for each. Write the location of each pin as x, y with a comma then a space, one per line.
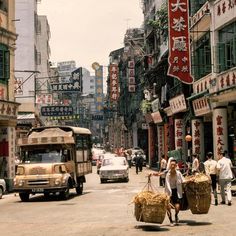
8, 106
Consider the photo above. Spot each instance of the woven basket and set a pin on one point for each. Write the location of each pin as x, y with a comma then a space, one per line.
150, 213
199, 196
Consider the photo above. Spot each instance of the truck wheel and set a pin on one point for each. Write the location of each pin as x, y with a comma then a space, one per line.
24, 197
65, 194
79, 189
103, 181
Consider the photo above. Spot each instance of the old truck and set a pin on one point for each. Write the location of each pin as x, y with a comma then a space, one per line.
53, 160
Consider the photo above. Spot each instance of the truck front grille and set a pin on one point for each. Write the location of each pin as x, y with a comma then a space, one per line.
38, 182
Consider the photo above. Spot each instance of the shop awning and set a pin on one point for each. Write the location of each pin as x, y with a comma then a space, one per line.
26, 118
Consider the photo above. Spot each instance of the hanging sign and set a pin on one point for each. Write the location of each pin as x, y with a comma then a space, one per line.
179, 43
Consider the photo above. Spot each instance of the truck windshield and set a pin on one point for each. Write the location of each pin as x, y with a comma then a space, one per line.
43, 156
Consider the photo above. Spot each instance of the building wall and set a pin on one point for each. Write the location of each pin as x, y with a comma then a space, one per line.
8, 107
26, 12
43, 50
88, 82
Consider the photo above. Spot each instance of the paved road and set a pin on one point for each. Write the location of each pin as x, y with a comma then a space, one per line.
104, 210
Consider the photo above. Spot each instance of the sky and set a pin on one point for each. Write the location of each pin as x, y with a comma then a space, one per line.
86, 31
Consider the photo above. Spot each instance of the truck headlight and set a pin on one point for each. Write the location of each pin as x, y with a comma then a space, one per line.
57, 182
21, 183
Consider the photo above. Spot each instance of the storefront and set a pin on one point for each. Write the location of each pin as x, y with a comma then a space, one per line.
8, 115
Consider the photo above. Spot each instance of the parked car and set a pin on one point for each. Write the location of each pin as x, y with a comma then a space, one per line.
96, 152
139, 151
101, 157
2, 187
114, 168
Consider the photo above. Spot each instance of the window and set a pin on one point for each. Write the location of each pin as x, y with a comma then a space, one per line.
201, 61
38, 27
38, 58
4, 63
227, 48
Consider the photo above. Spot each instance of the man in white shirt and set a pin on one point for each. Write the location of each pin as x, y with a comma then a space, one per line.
195, 165
163, 166
224, 166
211, 169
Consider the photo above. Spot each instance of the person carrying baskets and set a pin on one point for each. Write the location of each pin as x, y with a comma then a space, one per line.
173, 188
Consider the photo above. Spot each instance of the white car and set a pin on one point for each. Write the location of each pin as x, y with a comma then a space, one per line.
114, 168
2, 187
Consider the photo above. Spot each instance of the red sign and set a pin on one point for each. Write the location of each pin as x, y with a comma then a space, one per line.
179, 43
114, 89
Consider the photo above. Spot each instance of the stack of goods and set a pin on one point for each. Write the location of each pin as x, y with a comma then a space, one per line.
150, 206
198, 192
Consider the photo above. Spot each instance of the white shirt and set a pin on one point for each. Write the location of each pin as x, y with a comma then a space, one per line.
179, 179
195, 165
210, 167
224, 166
163, 164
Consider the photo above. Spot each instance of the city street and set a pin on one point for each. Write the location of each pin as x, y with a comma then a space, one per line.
104, 210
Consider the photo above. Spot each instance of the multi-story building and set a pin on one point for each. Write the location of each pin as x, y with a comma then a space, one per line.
213, 27
88, 82
32, 62
8, 106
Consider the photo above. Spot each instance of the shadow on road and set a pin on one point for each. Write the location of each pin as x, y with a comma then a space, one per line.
153, 228
194, 223
51, 197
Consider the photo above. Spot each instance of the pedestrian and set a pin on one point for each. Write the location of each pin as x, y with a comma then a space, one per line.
136, 161
128, 154
195, 164
141, 159
173, 188
210, 167
224, 166
163, 165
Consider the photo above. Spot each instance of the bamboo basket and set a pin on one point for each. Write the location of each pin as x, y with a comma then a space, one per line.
198, 192
150, 207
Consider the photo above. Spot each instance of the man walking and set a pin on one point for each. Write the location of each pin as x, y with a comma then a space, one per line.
163, 166
173, 188
211, 169
224, 166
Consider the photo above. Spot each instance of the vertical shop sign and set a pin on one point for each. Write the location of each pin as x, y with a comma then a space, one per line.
166, 135
179, 135
220, 131
179, 43
114, 89
131, 76
160, 133
198, 137
99, 89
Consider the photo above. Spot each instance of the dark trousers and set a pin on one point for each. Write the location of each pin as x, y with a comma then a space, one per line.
213, 185
137, 168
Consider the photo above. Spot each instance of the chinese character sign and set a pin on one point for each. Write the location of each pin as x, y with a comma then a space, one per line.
179, 43
160, 133
179, 134
198, 137
220, 130
99, 89
114, 86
